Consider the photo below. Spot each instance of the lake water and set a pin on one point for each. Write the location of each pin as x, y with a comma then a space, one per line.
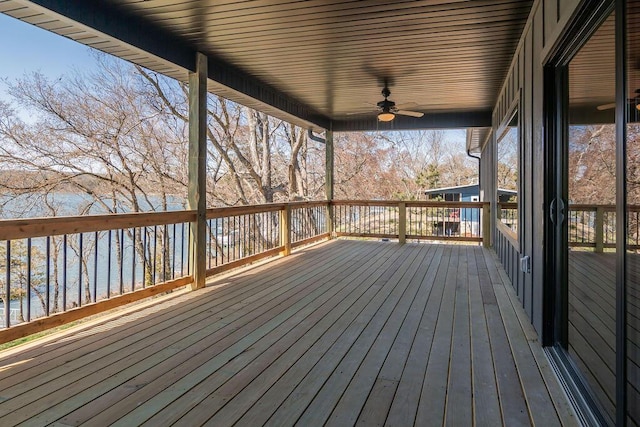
71, 204
100, 264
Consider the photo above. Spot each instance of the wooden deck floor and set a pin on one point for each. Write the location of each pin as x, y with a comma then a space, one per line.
592, 321
344, 333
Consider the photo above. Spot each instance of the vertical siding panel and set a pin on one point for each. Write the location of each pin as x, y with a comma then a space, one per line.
526, 78
527, 248
566, 7
537, 174
517, 80
505, 102
550, 18
509, 91
516, 271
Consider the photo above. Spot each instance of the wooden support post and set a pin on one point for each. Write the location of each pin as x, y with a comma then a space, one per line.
197, 169
329, 186
285, 230
402, 223
486, 225
330, 220
599, 229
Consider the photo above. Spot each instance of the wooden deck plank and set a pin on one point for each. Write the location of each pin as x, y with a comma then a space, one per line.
259, 400
486, 404
54, 347
359, 336
592, 321
431, 408
181, 317
344, 333
362, 363
122, 380
172, 314
154, 380
593, 368
558, 397
385, 358
533, 387
119, 371
512, 401
403, 411
200, 396
378, 403
459, 404
60, 352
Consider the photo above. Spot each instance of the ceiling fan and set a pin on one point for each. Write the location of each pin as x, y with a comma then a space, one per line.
388, 109
635, 100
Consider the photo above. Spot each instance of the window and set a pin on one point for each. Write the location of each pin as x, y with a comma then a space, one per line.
507, 170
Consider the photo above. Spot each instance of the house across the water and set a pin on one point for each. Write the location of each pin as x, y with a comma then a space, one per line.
467, 193
456, 219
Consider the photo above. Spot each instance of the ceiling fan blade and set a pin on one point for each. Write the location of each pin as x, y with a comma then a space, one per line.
410, 113
407, 105
606, 106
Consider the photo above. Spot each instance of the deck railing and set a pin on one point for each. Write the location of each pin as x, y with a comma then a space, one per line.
594, 226
589, 226
241, 235
372, 219
60, 269
413, 220
54, 265
508, 215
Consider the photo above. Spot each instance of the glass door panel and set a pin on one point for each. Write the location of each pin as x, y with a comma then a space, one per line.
633, 214
591, 219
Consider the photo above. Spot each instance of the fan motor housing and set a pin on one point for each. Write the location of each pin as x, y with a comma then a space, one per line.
386, 105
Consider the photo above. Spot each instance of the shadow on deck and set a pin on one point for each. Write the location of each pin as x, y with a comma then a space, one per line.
342, 333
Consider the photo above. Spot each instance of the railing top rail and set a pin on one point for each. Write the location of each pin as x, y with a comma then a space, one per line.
244, 210
364, 203
589, 207
12, 229
442, 204
409, 203
266, 207
309, 204
581, 207
511, 235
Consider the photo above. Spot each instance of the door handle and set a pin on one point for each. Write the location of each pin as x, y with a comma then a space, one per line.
556, 211
560, 211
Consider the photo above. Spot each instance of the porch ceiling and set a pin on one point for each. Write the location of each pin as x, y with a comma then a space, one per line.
316, 63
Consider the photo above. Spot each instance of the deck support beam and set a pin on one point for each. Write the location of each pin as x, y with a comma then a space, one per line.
329, 185
197, 169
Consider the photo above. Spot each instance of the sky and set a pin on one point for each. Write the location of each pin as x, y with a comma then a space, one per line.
26, 48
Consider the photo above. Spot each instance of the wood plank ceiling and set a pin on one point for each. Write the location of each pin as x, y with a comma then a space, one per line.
317, 63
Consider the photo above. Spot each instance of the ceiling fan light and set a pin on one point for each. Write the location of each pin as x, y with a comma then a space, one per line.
386, 116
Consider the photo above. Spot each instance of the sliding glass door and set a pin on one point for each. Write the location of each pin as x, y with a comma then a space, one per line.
593, 189
589, 238
631, 152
